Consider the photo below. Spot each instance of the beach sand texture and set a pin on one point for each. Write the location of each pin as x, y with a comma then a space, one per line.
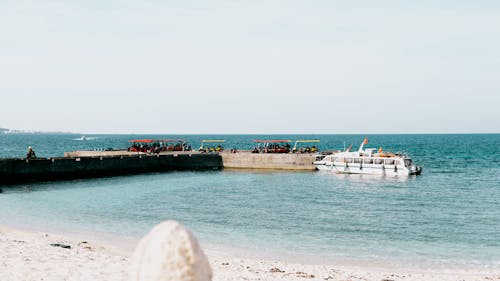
30, 256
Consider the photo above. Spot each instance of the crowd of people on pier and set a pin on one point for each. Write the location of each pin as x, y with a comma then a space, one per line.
307, 149
158, 146
217, 148
261, 147
280, 148
151, 146
271, 148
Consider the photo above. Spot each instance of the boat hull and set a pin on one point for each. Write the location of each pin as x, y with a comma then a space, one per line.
389, 170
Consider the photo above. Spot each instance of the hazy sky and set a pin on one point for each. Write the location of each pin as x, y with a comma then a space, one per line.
316, 66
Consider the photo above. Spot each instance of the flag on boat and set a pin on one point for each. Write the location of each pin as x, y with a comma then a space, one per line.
365, 141
349, 148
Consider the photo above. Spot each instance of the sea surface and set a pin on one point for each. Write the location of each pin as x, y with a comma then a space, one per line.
448, 215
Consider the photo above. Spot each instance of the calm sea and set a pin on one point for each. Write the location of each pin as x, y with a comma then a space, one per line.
450, 214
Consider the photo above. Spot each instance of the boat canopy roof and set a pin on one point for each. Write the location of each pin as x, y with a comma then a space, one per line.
144, 141
272, 141
298, 141
150, 140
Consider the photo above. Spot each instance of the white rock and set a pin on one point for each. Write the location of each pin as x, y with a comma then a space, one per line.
170, 252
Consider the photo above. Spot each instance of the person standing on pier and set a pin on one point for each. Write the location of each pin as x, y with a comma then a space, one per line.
31, 153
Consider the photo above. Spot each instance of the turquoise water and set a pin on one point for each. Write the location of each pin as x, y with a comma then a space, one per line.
450, 214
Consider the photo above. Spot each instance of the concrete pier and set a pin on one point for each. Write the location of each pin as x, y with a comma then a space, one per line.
243, 159
89, 164
275, 161
22, 170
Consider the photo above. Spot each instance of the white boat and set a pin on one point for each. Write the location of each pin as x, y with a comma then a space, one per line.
368, 161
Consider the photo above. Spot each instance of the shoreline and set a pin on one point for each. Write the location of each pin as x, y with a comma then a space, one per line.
26, 254
125, 245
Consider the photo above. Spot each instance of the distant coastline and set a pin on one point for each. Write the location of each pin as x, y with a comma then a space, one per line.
14, 131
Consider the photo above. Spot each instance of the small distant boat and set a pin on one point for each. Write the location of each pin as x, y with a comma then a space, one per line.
82, 138
368, 161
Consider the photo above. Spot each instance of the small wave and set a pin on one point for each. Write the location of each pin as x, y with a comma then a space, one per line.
448, 172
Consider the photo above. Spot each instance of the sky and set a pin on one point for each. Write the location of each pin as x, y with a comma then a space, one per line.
247, 67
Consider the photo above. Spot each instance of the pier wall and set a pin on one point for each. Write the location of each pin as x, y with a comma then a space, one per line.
23, 170
285, 161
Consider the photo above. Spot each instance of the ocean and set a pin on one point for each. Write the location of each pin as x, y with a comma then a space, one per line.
448, 215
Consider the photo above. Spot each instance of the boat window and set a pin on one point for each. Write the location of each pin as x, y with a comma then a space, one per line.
357, 160
389, 161
321, 157
348, 160
407, 162
378, 161
368, 161
340, 159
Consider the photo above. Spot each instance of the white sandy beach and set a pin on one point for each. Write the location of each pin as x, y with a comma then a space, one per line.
29, 256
